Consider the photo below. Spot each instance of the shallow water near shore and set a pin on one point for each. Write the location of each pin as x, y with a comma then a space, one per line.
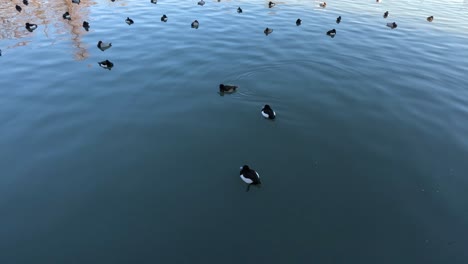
365, 163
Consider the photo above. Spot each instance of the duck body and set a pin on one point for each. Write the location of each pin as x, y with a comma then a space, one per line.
154, 1
331, 33
106, 64
323, 4
385, 15
76, 2
129, 21
429, 19
30, 27
103, 45
164, 18
18, 8
195, 24
86, 25
271, 4
201, 2
249, 175
267, 31
298, 22
67, 16
338, 20
239, 10
25, 2
392, 25
226, 88
268, 113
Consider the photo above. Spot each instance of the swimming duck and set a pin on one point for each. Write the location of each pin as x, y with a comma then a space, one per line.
154, 1
385, 15
86, 25
164, 18
201, 2
323, 4
392, 25
103, 45
0, 52
249, 176
106, 64
25, 2
225, 88
331, 33
30, 27
430, 18
271, 4
76, 1
298, 22
18, 8
338, 20
66, 15
267, 112
268, 31
239, 10
129, 21
195, 24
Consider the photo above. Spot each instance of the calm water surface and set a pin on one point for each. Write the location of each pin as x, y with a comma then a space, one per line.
366, 163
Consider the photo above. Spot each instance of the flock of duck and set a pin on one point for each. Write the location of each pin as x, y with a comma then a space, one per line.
248, 175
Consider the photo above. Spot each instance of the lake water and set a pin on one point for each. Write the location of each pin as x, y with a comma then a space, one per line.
367, 161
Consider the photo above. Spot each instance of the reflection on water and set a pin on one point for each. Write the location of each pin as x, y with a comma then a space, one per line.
48, 16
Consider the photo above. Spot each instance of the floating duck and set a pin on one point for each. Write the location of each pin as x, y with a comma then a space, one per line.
195, 24
106, 64
338, 20
239, 10
18, 8
66, 15
298, 22
0, 52
129, 21
385, 15
103, 45
164, 18
25, 2
226, 88
323, 4
331, 33
154, 1
249, 176
30, 27
76, 2
271, 4
267, 112
86, 25
201, 2
430, 18
392, 25
267, 31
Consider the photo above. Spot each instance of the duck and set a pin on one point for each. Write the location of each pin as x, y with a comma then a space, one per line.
18, 8
323, 4
430, 18
268, 113
271, 4
129, 21
385, 15
164, 18
201, 2
392, 25
195, 24
331, 33
154, 1
30, 27
226, 88
249, 176
106, 64
66, 15
239, 10
298, 22
267, 31
25, 2
0, 52
76, 2
103, 45
86, 25
338, 20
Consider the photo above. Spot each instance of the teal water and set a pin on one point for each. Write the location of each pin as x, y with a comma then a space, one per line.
365, 163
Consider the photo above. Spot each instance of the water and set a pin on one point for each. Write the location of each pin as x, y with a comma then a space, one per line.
366, 162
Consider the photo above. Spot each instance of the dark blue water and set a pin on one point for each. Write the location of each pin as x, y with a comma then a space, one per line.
365, 163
